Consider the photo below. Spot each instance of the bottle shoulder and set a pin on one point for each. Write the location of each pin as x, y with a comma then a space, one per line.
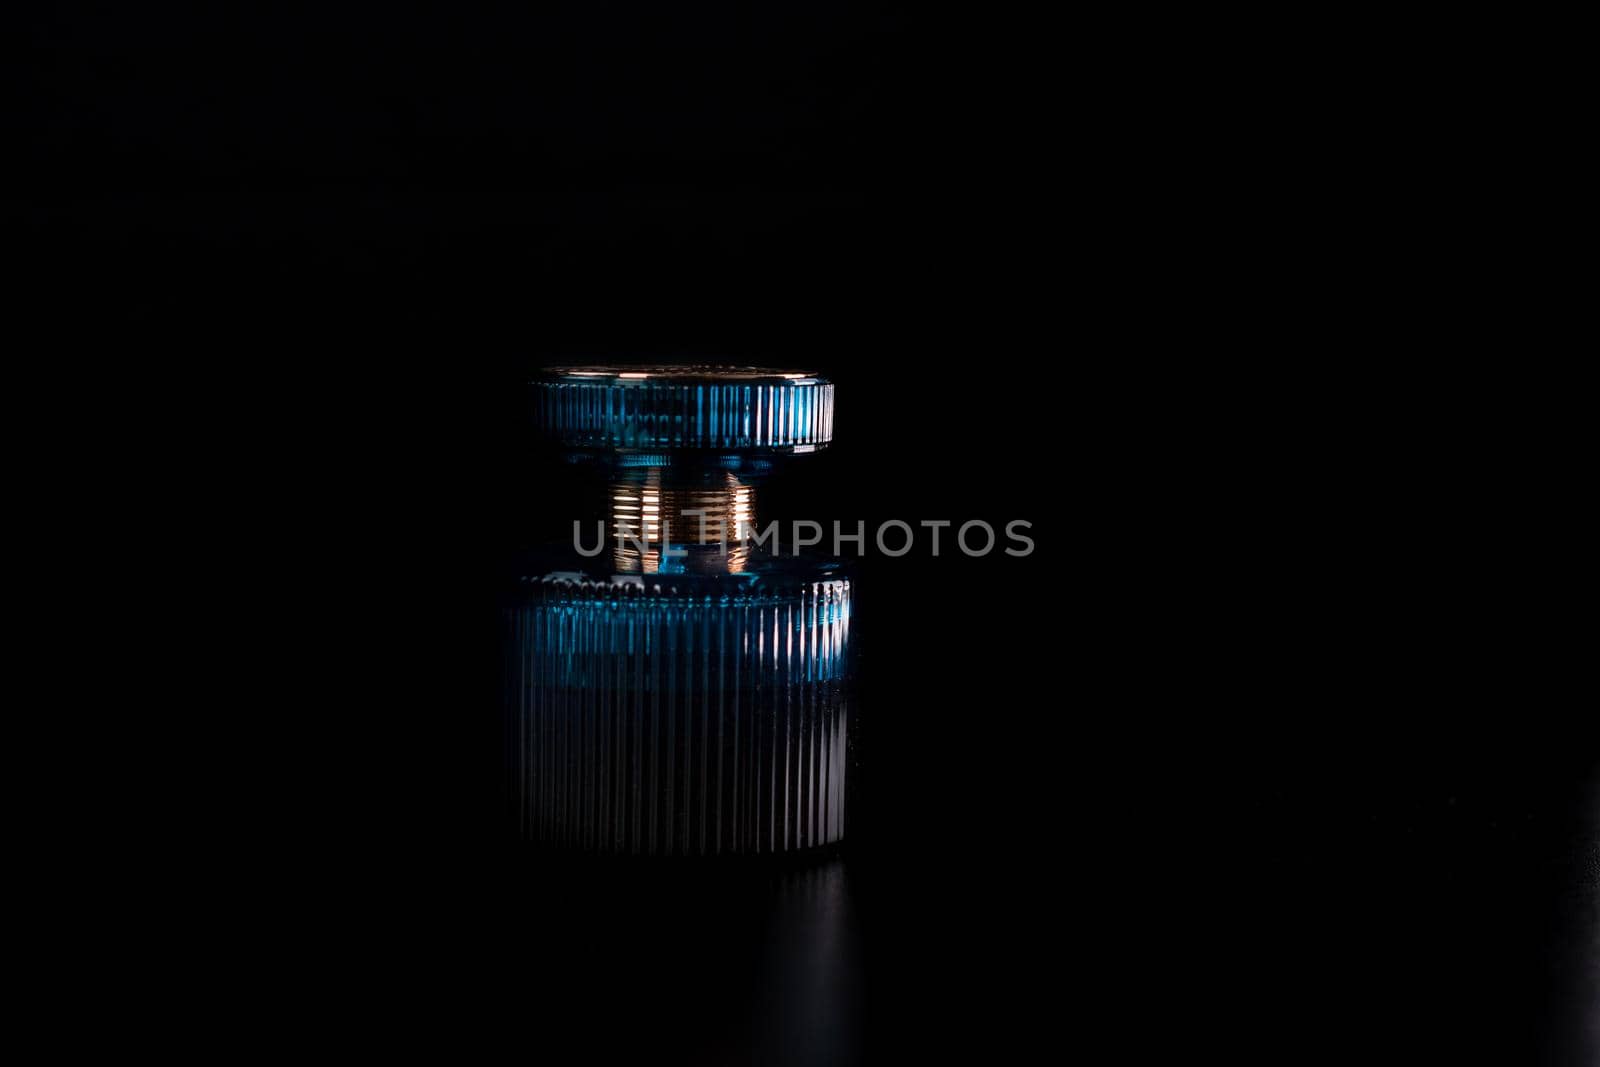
762, 576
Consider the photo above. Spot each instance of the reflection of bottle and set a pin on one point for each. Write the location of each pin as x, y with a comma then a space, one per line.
676, 689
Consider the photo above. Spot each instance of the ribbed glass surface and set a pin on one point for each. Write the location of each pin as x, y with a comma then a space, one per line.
686, 408
657, 720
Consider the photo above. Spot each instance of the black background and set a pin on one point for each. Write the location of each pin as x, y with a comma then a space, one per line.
1242, 760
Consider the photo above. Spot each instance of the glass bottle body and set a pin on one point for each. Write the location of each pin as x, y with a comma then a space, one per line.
675, 689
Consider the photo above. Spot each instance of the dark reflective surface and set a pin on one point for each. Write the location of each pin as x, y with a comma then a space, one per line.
725, 962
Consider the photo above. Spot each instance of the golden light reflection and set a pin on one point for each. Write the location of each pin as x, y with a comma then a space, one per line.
702, 520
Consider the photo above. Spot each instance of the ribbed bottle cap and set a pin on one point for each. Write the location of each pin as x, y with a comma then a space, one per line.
685, 407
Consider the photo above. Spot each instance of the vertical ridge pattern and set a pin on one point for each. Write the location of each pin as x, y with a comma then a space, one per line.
651, 723
669, 414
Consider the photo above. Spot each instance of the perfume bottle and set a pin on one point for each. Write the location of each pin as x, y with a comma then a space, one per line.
679, 684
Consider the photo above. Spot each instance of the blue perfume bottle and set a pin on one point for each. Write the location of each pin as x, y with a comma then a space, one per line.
678, 683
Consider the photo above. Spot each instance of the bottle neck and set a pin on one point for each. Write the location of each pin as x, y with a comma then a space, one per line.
664, 521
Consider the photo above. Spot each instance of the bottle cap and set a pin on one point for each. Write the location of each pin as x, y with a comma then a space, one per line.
690, 407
